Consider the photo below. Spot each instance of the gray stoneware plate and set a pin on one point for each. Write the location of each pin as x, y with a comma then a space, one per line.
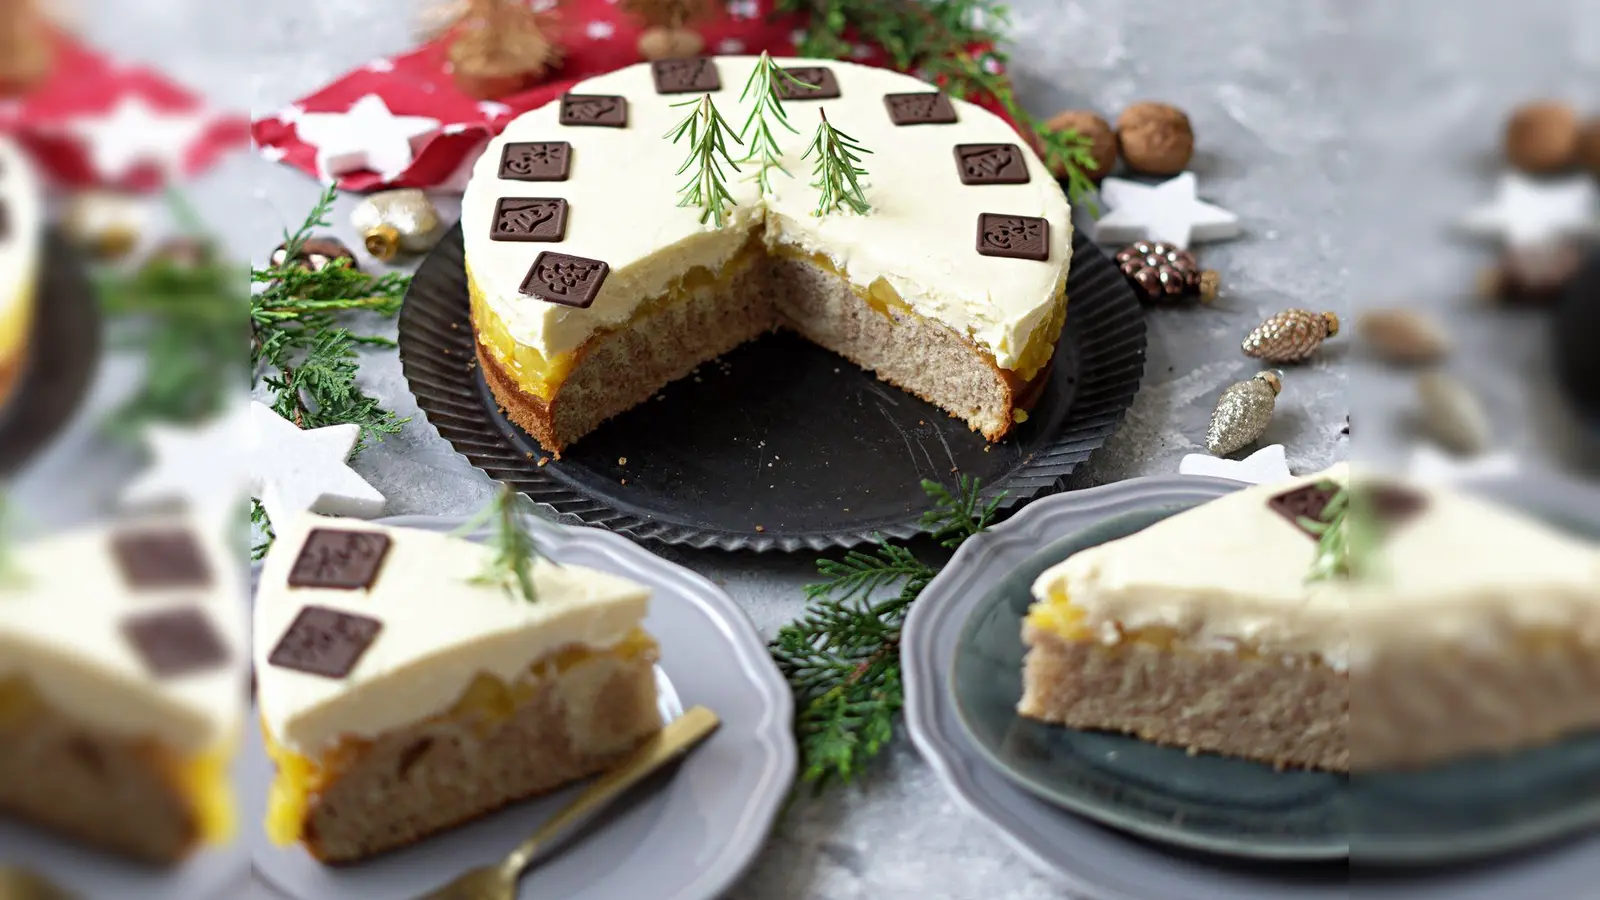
1106, 864
687, 836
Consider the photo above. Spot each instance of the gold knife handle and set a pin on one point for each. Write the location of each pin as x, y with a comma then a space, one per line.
670, 742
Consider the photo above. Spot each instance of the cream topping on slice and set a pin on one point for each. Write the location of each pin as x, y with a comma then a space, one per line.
436, 631
162, 659
1454, 569
919, 238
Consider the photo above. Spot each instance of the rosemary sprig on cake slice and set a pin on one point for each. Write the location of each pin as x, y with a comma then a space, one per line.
708, 134
764, 85
838, 177
1331, 529
510, 565
842, 657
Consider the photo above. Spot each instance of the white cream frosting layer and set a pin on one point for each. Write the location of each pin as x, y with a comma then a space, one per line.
919, 237
439, 632
19, 245
61, 634
1462, 573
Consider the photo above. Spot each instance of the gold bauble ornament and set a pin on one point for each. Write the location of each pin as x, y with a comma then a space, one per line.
1243, 413
395, 222
1290, 336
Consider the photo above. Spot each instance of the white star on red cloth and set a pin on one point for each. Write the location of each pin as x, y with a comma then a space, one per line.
134, 133
366, 137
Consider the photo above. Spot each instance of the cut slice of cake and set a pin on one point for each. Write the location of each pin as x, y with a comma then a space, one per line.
400, 695
122, 687
1442, 627
593, 285
20, 224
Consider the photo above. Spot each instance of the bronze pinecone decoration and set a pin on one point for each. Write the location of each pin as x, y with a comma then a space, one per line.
1161, 271
1290, 336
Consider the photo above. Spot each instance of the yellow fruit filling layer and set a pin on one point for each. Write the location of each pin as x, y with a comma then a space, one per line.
200, 779
16, 320
483, 706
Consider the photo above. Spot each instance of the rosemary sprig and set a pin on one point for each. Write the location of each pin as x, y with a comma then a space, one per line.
935, 39
708, 134
763, 85
510, 567
837, 175
842, 657
1332, 530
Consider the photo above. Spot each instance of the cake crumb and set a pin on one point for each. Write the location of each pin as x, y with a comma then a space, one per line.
529, 454
697, 379
1019, 416
624, 481
544, 460
622, 460
760, 529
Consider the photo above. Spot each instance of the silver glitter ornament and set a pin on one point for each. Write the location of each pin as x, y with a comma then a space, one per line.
395, 222
1243, 412
1453, 414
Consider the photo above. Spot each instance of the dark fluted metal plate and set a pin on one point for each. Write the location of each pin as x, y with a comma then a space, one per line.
1576, 322
63, 354
778, 435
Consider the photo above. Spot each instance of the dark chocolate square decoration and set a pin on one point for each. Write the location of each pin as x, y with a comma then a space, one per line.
529, 219
695, 75
991, 164
326, 642
1016, 237
340, 560
1307, 501
565, 279
157, 559
931, 108
594, 109
1394, 503
175, 642
823, 86
536, 161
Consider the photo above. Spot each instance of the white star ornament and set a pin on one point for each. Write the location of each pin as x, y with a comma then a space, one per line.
295, 471
367, 137
1171, 211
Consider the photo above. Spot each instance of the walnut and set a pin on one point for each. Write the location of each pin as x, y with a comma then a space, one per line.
670, 43
1102, 140
1542, 137
1155, 138
1589, 146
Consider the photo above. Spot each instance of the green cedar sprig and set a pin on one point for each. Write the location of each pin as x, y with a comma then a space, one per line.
708, 135
838, 177
935, 39
510, 566
766, 109
842, 657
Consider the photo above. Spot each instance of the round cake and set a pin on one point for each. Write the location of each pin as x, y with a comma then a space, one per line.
19, 255
594, 285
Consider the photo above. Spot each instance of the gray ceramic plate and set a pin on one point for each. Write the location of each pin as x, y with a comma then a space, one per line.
1111, 864
686, 837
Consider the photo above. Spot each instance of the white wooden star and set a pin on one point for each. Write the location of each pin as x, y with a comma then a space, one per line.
1528, 212
365, 137
1170, 211
294, 471
134, 133
1429, 465
1265, 466
201, 468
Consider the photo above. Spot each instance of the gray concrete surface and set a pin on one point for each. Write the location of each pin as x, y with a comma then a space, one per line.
1345, 134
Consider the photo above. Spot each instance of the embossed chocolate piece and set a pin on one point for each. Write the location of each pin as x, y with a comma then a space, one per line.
1304, 502
339, 560
991, 164
565, 279
536, 161
157, 559
529, 219
594, 109
695, 75
175, 642
1393, 504
818, 84
1015, 237
932, 108
326, 642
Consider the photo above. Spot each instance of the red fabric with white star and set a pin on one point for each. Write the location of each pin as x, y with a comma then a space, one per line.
596, 38
91, 109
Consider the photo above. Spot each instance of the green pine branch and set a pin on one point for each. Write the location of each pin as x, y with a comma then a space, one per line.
510, 565
842, 656
708, 135
935, 39
767, 108
838, 177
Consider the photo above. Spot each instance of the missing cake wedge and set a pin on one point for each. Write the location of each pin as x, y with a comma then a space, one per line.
1437, 626
400, 696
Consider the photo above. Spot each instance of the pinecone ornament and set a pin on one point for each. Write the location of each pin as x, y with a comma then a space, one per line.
1161, 271
1243, 413
1290, 336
